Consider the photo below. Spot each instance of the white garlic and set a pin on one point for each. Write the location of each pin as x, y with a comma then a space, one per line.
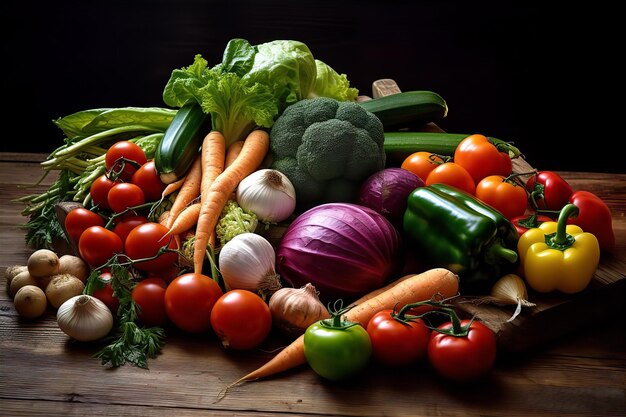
267, 193
247, 262
510, 290
84, 318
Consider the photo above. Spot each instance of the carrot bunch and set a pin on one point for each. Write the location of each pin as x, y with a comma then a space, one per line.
210, 183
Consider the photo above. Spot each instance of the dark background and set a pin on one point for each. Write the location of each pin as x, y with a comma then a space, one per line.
526, 72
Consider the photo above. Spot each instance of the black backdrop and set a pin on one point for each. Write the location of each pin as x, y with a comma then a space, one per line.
525, 72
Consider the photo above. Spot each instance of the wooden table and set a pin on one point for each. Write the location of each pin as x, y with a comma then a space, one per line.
43, 373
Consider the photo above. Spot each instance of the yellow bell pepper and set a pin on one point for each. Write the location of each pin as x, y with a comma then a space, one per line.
558, 256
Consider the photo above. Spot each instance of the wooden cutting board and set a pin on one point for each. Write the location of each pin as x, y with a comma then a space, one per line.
555, 315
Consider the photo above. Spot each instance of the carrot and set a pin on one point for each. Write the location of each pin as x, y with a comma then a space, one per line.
252, 153
232, 152
171, 187
213, 153
409, 289
187, 218
189, 190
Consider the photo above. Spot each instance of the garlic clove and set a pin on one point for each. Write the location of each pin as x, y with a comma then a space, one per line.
269, 194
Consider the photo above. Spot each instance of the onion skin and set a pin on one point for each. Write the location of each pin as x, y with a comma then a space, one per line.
345, 250
386, 192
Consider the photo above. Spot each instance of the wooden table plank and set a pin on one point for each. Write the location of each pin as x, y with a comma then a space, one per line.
43, 373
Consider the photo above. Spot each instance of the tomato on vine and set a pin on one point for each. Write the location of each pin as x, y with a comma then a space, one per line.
99, 191
397, 339
149, 295
421, 163
337, 349
453, 174
148, 240
78, 220
105, 292
125, 195
124, 158
503, 194
147, 178
482, 158
97, 245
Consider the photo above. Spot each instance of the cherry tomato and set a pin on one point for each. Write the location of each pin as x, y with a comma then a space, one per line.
125, 153
125, 225
396, 342
337, 349
548, 191
149, 294
508, 197
481, 158
147, 178
145, 241
453, 174
525, 222
462, 358
241, 320
97, 245
421, 163
78, 220
106, 293
189, 300
100, 190
125, 195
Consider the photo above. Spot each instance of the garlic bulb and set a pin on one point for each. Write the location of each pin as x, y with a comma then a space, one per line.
295, 309
267, 193
510, 290
84, 318
247, 262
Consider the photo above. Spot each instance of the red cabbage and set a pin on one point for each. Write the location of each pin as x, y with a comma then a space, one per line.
386, 191
345, 250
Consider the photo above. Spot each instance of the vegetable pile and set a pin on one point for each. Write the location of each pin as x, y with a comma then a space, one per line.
268, 196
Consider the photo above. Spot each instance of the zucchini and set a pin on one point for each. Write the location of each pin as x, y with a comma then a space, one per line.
409, 108
181, 142
399, 145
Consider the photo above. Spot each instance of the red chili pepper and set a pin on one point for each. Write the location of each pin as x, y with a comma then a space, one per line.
530, 221
594, 217
548, 191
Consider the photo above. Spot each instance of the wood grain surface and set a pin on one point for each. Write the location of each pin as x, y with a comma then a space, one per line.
43, 373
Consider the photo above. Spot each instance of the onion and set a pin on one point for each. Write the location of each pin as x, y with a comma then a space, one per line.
386, 191
345, 250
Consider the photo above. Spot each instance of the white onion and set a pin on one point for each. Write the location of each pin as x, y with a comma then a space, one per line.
267, 193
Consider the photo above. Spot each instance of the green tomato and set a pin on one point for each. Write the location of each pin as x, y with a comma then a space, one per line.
336, 349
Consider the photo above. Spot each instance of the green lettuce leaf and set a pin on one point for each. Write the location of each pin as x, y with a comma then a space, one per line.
329, 83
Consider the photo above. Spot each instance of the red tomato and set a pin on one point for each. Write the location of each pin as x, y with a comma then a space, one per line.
421, 163
144, 241
481, 158
125, 195
462, 358
124, 157
106, 293
241, 320
100, 190
125, 225
189, 300
147, 178
395, 342
149, 294
452, 174
78, 220
97, 245
549, 190
508, 197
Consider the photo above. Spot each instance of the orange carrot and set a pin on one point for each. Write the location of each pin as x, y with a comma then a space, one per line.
233, 152
188, 191
252, 153
186, 219
213, 153
410, 289
174, 186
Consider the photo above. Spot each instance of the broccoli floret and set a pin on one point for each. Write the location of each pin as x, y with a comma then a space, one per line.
233, 221
326, 148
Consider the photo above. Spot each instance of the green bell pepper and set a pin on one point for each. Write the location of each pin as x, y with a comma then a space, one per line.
457, 231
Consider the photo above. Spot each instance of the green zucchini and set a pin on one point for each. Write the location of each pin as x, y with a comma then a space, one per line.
399, 145
409, 108
181, 142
